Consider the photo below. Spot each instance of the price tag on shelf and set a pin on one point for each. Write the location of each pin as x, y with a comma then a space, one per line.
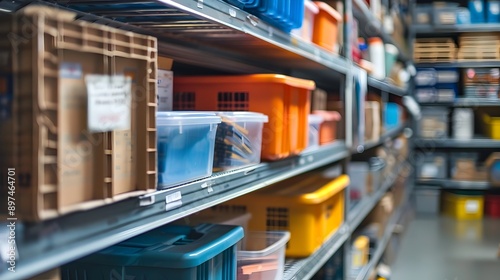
173, 200
108, 102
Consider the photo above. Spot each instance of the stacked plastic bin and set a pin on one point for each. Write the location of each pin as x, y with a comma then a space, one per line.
436, 85
285, 100
205, 252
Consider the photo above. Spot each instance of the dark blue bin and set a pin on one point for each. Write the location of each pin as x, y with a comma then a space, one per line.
171, 252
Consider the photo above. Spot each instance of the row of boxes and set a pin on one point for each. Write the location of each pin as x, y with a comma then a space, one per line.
462, 167
442, 84
461, 205
478, 11
435, 123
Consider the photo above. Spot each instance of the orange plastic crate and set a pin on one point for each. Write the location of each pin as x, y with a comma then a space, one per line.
326, 25
285, 100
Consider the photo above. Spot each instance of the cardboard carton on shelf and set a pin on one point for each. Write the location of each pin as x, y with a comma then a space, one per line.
63, 162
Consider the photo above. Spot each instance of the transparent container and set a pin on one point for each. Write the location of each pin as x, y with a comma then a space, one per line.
434, 123
238, 142
315, 122
263, 256
186, 143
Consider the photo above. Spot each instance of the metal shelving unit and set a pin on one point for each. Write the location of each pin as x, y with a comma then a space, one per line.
390, 134
447, 29
475, 143
382, 243
56, 242
301, 269
356, 215
374, 26
214, 35
454, 184
387, 87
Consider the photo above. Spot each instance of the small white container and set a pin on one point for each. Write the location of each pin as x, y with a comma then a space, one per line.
306, 31
377, 57
263, 256
463, 123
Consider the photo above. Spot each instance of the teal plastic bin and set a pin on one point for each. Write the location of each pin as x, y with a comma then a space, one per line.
171, 252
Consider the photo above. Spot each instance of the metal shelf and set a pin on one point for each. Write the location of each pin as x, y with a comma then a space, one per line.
476, 143
366, 205
215, 35
443, 29
453, 184
55, 242
387, 87
467, 102
460, 64
383, 242
385, 137
302, 269
373, 26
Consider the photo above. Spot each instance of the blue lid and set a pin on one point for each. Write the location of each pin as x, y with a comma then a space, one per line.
171, 246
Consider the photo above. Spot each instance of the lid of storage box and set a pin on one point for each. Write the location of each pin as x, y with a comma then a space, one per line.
311, 7
328, 116
243, 117
329, 10
263, 243
171, 246
186, 118
313, 188
315, 119
255, 78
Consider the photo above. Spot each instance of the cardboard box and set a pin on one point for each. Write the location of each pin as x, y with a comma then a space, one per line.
382, 213
372, 121
61, 165
318, 100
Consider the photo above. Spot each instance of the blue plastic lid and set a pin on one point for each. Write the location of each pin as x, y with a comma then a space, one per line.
186, 118
171, 246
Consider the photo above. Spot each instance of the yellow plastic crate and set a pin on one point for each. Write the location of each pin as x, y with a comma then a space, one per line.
464, 207
492, 126
310, 207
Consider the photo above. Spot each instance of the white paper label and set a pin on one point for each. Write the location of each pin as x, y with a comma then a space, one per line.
494, 8
429, 171
173, 200
108, 102
471, 206
165, 89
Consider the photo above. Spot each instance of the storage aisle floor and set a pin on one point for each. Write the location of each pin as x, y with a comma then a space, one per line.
441, 248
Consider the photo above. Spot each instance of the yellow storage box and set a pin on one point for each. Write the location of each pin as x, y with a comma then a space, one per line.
464, 207
310, 207
492, 126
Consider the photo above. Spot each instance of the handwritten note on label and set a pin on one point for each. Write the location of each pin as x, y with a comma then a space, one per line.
108, 102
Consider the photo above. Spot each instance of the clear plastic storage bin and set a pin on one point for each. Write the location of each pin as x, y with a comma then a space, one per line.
205, 252
434, 123
263, 256
432, 166
314, 128
238, 141
186, 143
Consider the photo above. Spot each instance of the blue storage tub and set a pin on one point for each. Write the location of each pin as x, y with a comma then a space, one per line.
463, 16
426, 77
186, 143
244, 3
493, 11
392, 117
477, 13
447, 92
284, 14
205, 252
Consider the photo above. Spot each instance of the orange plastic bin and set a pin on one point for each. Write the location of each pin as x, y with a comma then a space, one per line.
326, 25
285, 100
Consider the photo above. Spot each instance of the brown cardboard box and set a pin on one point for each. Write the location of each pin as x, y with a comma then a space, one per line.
62, 166
381, 213
372, 121
318, 100
465, 170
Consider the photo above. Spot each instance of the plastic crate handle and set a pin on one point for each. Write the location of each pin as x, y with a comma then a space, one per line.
326, 191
